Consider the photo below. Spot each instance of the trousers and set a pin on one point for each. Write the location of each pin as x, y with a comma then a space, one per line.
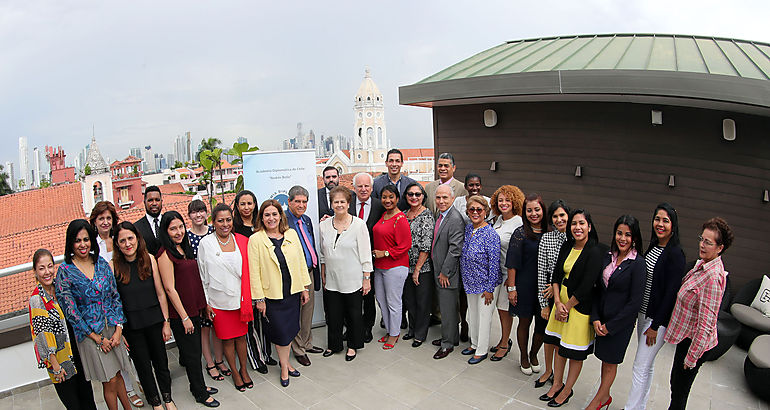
190, 354
389, 290
417, 300
681, 378
644, 364
450, 318
149, 351
479, 322
304, 339
344, 308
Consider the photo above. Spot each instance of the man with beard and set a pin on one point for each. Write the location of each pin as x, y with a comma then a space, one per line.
331, 177
149, 224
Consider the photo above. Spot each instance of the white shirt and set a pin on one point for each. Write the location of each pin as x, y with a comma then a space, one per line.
504, 230
345, 258
367, 207
103, 249
220, 273
151, 220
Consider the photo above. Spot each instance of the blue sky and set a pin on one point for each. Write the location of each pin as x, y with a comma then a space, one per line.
143, 72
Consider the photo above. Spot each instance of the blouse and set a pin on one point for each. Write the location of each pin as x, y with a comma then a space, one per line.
422, 237
220, 273
346, 257
697, 307
395, 236
480, 260
195, 239
187, 282
49, 333
89, 304
614, 263
140, 300
547, 254
103, 249
504, 230
650, 259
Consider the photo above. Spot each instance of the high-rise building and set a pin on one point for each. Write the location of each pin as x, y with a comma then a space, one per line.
180, 149
135, 152
149, 160
171, 160
241, 140
188, 146
11, 176
24, 177
37, 178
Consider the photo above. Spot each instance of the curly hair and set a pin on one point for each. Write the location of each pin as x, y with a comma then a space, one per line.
513, 193
723, 230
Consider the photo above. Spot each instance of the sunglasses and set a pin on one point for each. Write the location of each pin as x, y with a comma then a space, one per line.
414, 194
475, 210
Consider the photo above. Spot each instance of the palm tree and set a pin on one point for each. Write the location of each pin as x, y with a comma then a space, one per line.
208, 144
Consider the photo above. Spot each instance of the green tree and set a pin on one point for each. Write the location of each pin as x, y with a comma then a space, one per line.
135, 171
238, 149
211, 160
208, 144
177, 164
87, 170
5, 186
45, 183
21, 183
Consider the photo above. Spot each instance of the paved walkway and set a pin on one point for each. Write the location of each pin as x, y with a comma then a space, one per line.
409, 378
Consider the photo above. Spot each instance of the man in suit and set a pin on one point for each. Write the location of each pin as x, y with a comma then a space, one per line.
331, 177
448, 236
370, 210
393, 161
303, 342
446, 171
149, 225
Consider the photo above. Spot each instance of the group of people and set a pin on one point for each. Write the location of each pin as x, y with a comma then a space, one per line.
442, 253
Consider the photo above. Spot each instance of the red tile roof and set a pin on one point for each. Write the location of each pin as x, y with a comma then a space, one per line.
417, 153
34, 208
174, 188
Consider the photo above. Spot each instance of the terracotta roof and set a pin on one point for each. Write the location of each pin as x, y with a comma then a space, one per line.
417, 152
35, 208
174, 188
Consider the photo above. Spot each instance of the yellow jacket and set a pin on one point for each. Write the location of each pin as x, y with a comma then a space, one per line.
264, 270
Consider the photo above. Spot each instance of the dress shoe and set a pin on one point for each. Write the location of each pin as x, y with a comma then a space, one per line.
408, 336
468, 351
416, 343
303, 360
285, 382
212, 403
554, 403
494, 349
442, 353
262, 368
539, 384
477, 360
526, 370
436, 342
464, 332
328, 353
315, 350
368, 336
546, 397
349, 357
271, 362
294, 373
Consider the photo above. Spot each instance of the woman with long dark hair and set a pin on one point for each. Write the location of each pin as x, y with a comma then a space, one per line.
521, 262
146, 310
664, 262
244, 215
569, 327
619, 295
87, 292
182, 281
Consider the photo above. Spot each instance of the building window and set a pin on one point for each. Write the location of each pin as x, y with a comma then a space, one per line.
98, 192
380, 142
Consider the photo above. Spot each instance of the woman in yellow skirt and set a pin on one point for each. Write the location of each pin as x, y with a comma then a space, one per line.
569, 326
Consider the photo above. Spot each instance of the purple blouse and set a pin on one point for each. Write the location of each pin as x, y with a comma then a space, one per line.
480, 260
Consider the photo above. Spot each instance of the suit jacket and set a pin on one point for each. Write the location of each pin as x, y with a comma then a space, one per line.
143, 226
617, 303
309, 224
323, 204
265, 275
430, 190
383, 180
374, 215
583, 276
448, 247
667, 278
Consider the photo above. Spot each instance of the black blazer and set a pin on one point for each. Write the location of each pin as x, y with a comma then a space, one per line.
617, 304
323, 204
374, 215
666, 280
582, 278
143, 226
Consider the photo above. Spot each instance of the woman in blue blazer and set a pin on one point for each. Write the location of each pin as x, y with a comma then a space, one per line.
618, 297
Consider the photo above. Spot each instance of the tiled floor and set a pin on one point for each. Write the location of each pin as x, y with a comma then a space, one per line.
409, 378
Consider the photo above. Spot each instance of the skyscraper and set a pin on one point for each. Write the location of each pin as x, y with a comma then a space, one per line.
189, 153
36, 170
135, 152
180, 149
241, 140
24, 180
11, 176
149, 159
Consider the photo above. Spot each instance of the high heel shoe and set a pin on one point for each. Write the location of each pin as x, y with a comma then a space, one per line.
539, 384
226, 371
607, 404
554, 403
494, 349
507, 349
548, 398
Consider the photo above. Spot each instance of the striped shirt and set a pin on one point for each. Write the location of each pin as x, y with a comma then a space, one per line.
650, 260
547, 253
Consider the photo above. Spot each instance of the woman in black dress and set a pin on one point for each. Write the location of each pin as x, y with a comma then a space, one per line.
619, 296
279, 280
146, 309
521, 262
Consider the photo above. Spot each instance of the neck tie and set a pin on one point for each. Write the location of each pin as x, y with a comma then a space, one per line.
309, 245
435, 230
155, 222
361, 211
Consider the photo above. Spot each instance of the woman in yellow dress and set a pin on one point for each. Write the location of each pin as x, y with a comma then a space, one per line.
569, 326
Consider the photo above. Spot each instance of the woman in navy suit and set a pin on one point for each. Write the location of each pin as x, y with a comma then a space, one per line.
618, 297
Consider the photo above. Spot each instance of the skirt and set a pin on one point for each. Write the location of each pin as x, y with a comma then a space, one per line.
612, 348
228, 325
99, 366
575, 337
282, 316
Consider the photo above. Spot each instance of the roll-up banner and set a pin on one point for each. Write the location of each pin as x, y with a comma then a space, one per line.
270, 175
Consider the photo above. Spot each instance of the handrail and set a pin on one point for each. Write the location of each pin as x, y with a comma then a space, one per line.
12, 270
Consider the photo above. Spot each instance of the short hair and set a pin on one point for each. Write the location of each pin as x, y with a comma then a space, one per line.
283, 225
417, 184
221, 207
593, 236
395, 151
450, 187
725, 234
100, 208
636, 234
73, 229
298, 190
152, 188
330, 168
529, 231
237, 220
513, 193
392, 189
555, 205
166, 241
673, 217
371, 178
39, 254
446, 155
196, 205
479, 200
340, 190
470, 176
120, 265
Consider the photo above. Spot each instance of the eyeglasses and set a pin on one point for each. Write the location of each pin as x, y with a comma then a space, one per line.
475, 210
705, 241
414, 194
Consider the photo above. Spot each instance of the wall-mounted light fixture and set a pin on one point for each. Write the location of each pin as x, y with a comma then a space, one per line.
579, 171
490, 118
766, 196
493, 167
728, 129
671, 182
657, 117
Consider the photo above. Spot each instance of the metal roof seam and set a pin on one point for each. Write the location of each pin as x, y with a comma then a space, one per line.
649, 54
760, 50
462, 61
473, 74
628, 47
599, 53
676, 55
751, 59
558, 66
737, 72
700, 52
546, 56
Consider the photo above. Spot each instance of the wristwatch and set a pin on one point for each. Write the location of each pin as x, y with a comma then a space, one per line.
387, 254
510, 288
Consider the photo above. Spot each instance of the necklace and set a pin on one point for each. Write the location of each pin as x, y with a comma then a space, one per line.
226, 242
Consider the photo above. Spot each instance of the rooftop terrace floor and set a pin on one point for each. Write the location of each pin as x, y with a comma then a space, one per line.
406, 377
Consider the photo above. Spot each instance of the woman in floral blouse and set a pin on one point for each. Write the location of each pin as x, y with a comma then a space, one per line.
52, 341
86, 290
480, 270
418, 287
